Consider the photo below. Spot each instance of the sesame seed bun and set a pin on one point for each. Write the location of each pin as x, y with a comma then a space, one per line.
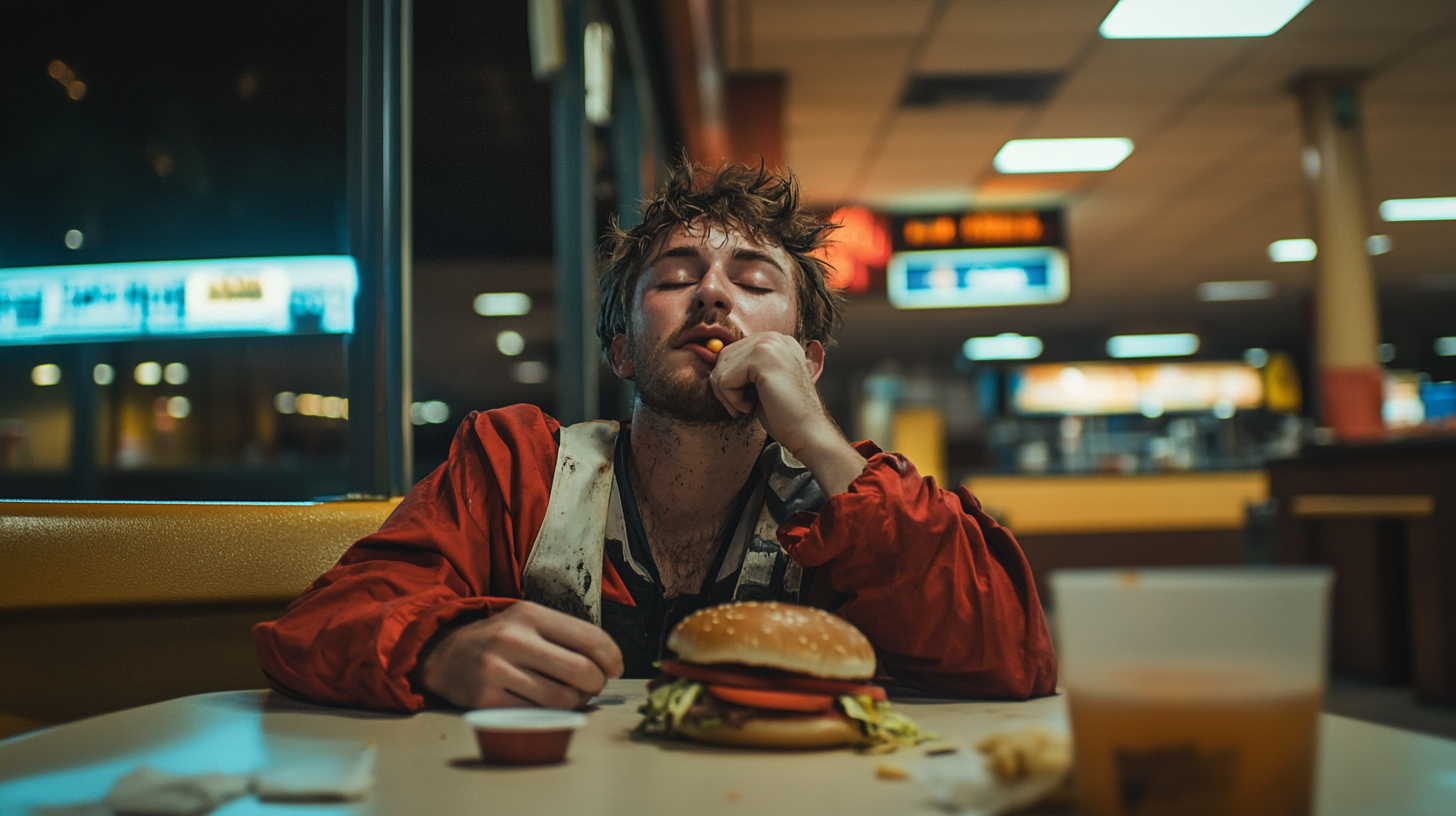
775, 635
788, 732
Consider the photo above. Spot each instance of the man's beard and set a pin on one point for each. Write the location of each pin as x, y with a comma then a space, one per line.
681, 395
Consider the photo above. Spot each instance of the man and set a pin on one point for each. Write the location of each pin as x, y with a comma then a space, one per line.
540, 561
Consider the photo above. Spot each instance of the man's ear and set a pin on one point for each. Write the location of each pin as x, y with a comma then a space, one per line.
621, 360
814, 353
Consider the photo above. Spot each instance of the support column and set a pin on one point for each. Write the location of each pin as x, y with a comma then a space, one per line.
381, 438
573, 178
1347, 318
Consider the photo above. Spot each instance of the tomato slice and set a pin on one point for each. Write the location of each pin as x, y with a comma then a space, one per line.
738, 677
775, 700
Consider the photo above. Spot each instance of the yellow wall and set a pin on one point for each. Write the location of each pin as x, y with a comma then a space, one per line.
920, 436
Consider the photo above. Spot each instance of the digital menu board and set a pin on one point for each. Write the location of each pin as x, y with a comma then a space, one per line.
980, 258
312, 294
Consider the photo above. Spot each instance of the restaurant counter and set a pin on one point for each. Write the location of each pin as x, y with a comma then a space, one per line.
427, 763
1110, 520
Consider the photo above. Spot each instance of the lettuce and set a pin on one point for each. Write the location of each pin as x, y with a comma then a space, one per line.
666, 706
884, 728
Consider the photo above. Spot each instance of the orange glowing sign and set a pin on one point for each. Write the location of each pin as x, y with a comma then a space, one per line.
862, 242
975, 230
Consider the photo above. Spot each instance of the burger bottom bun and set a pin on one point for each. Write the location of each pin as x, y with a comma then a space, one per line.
789, 732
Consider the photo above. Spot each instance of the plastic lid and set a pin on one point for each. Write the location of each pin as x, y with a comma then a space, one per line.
524, 719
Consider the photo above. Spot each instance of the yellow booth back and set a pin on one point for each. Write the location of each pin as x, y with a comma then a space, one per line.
109, 605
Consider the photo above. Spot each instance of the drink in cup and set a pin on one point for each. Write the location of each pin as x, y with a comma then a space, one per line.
1193, 691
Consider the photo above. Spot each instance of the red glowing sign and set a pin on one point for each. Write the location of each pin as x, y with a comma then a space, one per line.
862, 242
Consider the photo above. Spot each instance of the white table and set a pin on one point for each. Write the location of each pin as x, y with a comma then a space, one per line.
426, 763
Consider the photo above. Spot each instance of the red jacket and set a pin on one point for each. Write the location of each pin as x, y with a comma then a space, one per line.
941, 590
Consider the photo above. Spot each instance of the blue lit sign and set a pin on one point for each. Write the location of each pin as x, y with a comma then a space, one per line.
977, 277
311, 294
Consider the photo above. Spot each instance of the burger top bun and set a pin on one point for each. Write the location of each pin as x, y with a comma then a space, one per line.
775, 635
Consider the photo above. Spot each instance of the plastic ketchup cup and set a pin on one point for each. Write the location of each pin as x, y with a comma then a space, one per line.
523, 736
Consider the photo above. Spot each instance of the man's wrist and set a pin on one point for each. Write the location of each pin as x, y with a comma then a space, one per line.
829, 456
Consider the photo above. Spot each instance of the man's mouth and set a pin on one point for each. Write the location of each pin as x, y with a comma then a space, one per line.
700, 339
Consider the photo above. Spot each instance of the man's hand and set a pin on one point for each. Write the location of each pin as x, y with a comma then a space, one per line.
771, 375
524, 655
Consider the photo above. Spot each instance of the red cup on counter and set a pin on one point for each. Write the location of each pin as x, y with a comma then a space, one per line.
523, 736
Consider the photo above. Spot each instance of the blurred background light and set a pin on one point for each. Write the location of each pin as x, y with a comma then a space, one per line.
1446, 346
502, 304
46, 374
1004, 346
1256, 357
1377, 244
179, 407
433, 412
310, 404
1293, 250
1152, 345
175, 373
148, 373
103, 374
531, 372
74, 239
1385, 352
510, 343
1176, 19
1061, 155
286, 402
1418, 209
1236, 290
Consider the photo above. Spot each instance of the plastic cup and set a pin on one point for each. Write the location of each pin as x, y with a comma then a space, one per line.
523, 736
1194, 691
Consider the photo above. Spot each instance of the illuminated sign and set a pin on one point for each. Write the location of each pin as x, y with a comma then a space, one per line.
1149, 389
977, 230
124, 301
862, 242
977, 277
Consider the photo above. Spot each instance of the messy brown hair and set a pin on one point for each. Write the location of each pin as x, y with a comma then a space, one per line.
762, 205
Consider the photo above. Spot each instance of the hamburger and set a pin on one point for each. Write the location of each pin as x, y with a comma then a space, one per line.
772, 675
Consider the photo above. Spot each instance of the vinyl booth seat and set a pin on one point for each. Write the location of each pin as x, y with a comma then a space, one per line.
108, 605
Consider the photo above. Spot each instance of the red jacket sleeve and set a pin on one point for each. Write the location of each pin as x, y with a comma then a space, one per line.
942, 591
454, 547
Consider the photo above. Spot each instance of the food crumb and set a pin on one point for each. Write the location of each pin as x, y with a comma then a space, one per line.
884, 771
732, 795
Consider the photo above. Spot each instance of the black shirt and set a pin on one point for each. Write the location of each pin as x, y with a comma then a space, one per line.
641, 631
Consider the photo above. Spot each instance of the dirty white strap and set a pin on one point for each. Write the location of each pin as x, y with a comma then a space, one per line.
564, 570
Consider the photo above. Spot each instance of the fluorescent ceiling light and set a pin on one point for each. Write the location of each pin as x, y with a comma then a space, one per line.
1152, 345
1292, 249
1446, 346
1236, 290
502, 304
1418, 209
1004, 346
1146, 19
1061, 155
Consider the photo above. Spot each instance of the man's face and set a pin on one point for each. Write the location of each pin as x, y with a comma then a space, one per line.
703, 282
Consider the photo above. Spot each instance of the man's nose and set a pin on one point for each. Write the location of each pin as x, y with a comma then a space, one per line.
714, 292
